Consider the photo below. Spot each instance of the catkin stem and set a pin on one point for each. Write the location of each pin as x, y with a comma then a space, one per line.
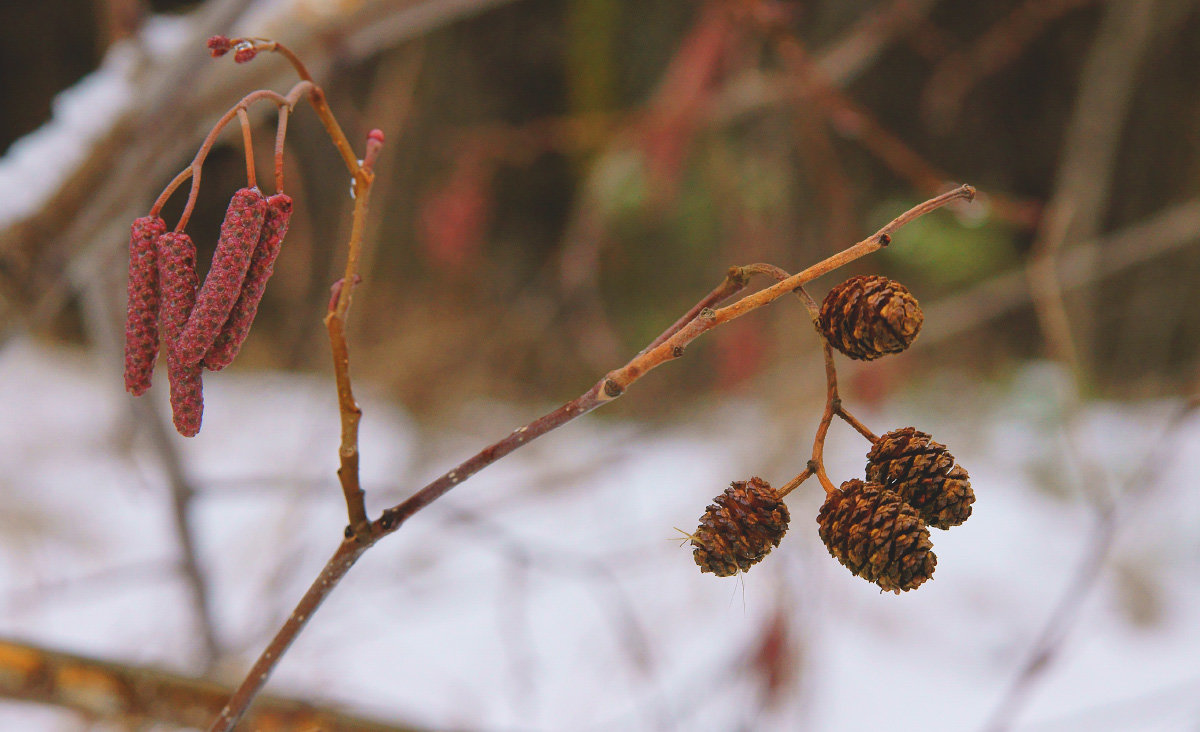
248, 147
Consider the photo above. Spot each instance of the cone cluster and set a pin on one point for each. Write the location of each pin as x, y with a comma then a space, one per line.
739, 528
878, 528
201, 326
870, 316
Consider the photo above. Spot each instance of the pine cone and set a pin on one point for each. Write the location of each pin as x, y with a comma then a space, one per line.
740, 527
925, 475
870, 316
877, 536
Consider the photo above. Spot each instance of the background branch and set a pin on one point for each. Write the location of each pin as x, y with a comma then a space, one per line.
134, 696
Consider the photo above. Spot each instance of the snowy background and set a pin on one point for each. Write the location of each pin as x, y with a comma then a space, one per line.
550, 592
544, 593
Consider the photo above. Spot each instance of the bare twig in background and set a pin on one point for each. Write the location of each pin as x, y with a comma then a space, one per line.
1086, 168
851, 54
1075, 211
1144, 481
1001, 45
611, 598
1165, 232
134, 696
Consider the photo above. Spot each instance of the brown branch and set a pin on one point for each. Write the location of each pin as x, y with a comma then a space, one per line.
135, 696
335, 323
608, 388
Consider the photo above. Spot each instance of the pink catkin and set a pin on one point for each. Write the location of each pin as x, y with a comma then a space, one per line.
178, 280
239, 237
262, 265
141, 318
187, 396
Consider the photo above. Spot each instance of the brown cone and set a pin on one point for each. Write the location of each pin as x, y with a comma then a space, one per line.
925, 475
740, 527
870, 316
878, 536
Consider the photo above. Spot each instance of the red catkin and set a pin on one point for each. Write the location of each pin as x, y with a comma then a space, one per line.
223, 284
178, 280
262, 265
187, 396
141, 317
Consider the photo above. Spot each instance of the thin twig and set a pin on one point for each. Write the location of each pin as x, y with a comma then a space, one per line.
280, 136
194, 168
247, 147
858, 426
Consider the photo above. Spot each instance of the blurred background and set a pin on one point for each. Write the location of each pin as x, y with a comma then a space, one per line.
561, 181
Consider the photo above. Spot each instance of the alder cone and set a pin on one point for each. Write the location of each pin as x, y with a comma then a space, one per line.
877, 536
870, 316
925, 475
740, 527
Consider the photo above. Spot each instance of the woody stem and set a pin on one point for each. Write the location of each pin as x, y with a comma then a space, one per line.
248, 147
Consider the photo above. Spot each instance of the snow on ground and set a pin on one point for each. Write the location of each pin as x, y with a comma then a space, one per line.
543, 593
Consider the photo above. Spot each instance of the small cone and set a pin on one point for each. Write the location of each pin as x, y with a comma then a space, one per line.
870, 316
740, 527
877, 536
925, 475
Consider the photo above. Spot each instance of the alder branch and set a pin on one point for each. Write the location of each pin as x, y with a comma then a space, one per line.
136, 696
668, 346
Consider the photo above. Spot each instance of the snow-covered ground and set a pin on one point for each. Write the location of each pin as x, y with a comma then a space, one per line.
544, 594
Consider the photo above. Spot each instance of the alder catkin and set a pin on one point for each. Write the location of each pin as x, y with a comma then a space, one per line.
275, 225
239, 236
141, 317
870, 316
178, 280
740, 527
187, 395
925, 475
877, 536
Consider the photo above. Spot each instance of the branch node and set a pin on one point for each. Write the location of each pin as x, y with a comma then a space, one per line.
612, 389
